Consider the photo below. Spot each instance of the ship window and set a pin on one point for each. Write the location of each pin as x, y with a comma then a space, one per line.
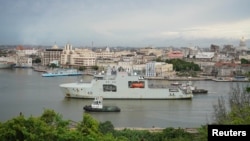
173, 90
136, 84
109, 88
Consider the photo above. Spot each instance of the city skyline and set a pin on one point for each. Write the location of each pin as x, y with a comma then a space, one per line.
136, 23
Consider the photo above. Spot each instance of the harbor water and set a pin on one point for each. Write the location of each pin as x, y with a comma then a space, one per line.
26, 91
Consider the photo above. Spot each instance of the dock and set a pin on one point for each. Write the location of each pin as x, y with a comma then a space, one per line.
40, 69
180, 78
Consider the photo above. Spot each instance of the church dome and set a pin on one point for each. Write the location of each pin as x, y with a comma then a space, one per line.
54, 46
242, 42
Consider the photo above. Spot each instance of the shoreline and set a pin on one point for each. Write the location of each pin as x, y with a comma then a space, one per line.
156, 129
193, 79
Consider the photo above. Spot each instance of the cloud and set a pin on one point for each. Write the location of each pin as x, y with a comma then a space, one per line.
112, 22
233, 30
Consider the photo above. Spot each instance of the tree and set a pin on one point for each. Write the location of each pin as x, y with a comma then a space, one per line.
37, 60
52, 65
239, 107
106, 127
95, 67
244, 61
50, 126
158, 59
88, 126
82, 68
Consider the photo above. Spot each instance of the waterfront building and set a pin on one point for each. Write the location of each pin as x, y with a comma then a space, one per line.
175, 55
139, 68
230, 69
150, 69
21, 51
23, 62
51, 54
23, 59
105, 53
242, 45
126, 65
245, 52
77, 57
8, 59
163, 69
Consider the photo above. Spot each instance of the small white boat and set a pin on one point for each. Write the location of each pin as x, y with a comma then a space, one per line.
222, 79
62, 72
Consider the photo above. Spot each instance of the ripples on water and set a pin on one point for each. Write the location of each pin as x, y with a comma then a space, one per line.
24, 90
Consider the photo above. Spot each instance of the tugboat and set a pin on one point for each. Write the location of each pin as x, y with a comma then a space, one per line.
200, 91
97, 106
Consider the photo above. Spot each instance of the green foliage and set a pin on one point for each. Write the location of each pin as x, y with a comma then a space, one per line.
158, 59
220, 111
52, 65
176, 134
181, 65
239, 107
89, 126
82, 68
168, 134
35, 128
94, 67
37, 60
106, 127
133, 135
48, 116
50, 126
244, 61
202, 133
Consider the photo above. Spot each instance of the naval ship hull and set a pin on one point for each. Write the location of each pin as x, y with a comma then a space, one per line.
122, 86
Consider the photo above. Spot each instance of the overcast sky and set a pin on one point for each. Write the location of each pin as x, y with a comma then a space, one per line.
136, 23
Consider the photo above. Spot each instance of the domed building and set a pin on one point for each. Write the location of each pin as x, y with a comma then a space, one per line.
54, 46
52, 55
242, 45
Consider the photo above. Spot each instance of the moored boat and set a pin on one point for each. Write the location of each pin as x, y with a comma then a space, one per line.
194, 89
200, 91
62, 72
6, 65
97, 106
117, 84
222, 79
176, 84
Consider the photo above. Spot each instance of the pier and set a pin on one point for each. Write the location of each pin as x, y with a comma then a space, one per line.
180, 78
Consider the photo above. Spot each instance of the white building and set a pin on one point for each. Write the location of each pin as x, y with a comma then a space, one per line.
23, 62
242, 45
77, 57
51, 54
